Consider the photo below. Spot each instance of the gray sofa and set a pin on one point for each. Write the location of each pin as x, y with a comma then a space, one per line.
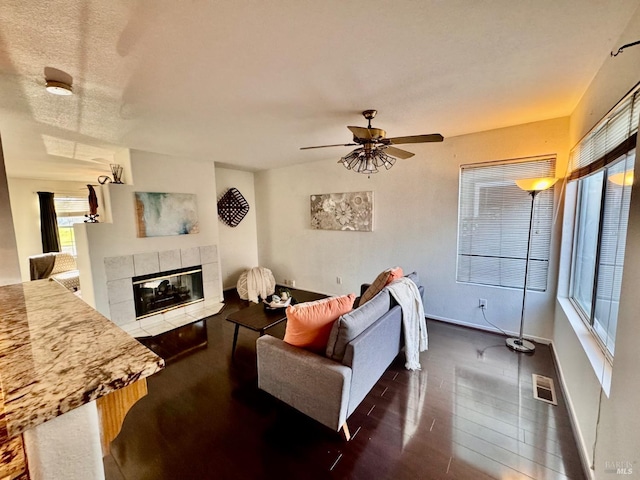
329, 388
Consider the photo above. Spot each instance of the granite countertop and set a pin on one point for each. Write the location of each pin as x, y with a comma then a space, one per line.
57, 353
12, 460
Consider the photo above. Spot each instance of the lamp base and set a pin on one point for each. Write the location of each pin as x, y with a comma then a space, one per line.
521, 345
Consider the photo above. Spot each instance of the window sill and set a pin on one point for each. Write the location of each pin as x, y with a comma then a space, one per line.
599, 362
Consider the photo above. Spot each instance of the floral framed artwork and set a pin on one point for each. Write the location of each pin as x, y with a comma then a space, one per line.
342, 211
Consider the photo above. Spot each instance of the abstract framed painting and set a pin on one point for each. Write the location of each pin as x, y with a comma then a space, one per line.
352, 211
163, 214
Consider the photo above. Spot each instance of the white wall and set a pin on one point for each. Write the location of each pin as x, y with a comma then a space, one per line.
152, 173
618, 433
9, 268
238, 246
415, 225
26, 213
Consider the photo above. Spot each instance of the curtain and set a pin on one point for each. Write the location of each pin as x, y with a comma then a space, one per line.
48, 223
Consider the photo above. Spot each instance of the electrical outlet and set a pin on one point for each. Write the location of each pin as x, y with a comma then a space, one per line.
482, 303
339, 280
292, 283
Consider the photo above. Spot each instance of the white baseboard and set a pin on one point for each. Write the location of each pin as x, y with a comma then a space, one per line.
582, 447
542, 340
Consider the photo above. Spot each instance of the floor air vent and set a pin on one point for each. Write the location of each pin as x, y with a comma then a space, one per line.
543, 389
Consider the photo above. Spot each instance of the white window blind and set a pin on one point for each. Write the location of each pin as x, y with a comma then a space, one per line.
493, 224
71, 206
612, 137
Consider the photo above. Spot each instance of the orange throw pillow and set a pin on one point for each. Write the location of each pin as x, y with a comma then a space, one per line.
309, 324
396, 273
381, 281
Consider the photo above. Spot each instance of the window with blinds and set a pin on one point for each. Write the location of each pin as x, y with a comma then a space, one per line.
70, 209
493, 224
603, 164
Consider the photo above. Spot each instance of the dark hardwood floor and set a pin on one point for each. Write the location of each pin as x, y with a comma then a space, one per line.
469, 413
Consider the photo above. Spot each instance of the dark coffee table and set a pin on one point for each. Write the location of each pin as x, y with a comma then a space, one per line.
258, 318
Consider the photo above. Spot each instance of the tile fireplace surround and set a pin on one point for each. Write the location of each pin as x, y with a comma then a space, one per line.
120, 271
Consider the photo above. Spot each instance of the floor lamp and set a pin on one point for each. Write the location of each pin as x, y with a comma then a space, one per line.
533, 186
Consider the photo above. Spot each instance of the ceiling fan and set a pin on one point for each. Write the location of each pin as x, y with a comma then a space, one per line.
376, 149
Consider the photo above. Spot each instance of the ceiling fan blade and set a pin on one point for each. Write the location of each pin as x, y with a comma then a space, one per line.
397, 152
434, 137
361, 132
325, 146
370, 133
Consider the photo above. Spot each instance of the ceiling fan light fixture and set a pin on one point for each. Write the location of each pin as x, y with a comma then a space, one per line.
367, 161
369, 166
351, 160
384, 160
371, 155
58, 88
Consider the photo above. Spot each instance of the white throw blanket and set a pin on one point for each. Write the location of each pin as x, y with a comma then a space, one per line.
408, 297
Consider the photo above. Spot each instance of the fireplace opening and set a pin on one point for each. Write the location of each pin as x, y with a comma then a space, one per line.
164, 291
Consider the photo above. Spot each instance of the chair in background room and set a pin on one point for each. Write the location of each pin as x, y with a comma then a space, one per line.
58, 266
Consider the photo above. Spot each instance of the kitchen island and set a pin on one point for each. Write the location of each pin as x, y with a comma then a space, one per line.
67, 377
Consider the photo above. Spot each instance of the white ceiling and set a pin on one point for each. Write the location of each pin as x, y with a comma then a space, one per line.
246, 83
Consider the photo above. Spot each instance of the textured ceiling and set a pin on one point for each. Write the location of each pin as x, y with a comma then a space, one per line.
247, 83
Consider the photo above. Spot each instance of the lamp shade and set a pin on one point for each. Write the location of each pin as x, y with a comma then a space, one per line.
536, 184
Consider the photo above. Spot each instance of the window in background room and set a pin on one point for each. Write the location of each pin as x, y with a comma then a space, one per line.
603, 164
69, 210
493, 224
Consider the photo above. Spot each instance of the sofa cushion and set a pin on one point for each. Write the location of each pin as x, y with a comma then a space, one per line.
352, 324
381, 281
309, 324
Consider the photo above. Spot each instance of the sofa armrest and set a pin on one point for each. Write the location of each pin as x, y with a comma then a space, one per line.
315, 385
370, 354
